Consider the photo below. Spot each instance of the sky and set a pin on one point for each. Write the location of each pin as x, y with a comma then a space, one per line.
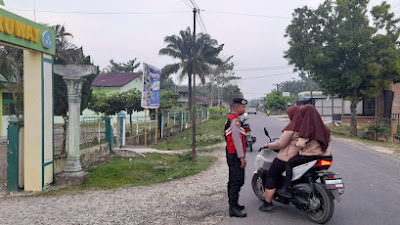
252, 31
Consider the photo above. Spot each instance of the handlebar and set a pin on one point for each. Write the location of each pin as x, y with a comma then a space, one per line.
264, 148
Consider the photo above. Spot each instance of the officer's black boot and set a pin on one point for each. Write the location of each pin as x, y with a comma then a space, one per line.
235, 211
241, 207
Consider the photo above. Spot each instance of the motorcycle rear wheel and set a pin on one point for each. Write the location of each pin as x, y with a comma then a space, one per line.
326, 207
258, 187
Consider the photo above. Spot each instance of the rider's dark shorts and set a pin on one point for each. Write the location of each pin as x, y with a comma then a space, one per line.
274, 173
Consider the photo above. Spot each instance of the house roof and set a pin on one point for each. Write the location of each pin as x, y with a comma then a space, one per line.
114, 79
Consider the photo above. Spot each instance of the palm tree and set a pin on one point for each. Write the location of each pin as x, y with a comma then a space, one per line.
220, 76
181, 48
196, 56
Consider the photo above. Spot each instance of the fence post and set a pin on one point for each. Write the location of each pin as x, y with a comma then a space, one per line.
168, 119
137, 125
109, 133
161, 123
180, 119
99, 131
122, 127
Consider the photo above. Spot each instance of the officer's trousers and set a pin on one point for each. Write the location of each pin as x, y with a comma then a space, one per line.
236, 179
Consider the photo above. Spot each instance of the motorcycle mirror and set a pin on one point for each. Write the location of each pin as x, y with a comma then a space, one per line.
267, 134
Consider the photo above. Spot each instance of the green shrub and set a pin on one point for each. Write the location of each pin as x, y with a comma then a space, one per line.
217, 113
209, 138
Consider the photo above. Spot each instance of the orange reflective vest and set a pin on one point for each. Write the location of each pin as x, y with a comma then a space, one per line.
230, 146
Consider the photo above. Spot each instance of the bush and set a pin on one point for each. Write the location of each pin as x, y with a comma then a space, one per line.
217, 113
209, 138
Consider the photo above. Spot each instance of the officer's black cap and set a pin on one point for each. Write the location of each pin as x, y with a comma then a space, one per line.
239, 101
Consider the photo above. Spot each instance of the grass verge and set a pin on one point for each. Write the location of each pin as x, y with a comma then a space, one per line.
343, 131
122, 172
208, 133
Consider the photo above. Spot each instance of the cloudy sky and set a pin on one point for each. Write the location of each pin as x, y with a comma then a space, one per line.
251, 30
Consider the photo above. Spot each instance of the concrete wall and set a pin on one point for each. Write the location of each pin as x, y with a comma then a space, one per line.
361, 120
88, 157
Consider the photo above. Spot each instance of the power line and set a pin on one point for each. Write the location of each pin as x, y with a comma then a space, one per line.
252, 15
396, 6
261, 68
187, 3
201, 26
202, 23
268, 75
101, 13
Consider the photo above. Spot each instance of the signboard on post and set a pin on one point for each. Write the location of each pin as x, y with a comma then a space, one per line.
150, 94
286, 94
151, 87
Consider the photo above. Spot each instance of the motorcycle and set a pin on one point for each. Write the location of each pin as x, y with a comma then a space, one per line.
314, 188
250, 140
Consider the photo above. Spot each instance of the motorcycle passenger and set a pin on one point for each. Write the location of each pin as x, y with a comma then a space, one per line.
235, 155
287, 149
314, 140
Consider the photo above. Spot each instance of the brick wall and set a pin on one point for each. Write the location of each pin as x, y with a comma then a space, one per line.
396, 98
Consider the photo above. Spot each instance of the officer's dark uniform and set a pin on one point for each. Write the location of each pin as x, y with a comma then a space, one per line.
235, 149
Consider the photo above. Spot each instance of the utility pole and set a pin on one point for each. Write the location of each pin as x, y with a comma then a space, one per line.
194, 88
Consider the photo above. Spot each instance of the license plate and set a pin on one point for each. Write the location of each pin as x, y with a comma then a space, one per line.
334, 181
335, 184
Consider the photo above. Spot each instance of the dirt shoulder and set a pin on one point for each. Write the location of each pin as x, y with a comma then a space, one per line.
199, 199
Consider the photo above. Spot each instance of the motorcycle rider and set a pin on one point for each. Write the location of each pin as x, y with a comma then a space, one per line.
287, 149
314, 140
235, 155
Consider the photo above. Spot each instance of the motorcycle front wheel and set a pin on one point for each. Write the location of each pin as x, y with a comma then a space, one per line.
258, 186
321, 205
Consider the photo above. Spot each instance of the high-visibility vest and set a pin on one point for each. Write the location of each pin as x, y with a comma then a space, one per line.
230, 146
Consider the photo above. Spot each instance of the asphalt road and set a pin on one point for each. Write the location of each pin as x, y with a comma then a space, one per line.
372, 184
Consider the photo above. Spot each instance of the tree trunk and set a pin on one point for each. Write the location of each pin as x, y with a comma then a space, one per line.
353, 120
194, 121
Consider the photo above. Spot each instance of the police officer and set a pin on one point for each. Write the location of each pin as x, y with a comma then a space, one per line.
235, 155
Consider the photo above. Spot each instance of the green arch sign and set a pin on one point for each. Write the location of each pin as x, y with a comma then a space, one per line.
19, 31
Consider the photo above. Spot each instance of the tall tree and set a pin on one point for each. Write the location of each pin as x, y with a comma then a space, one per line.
181, 47
297, 86
339, 49
275, 100
11, 67
68, 53
196, 56
128, 67
220, 76
132, 99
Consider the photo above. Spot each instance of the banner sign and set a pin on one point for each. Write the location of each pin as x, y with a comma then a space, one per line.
151, 87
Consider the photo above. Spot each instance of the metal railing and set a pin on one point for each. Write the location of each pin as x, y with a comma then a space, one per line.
92, 132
